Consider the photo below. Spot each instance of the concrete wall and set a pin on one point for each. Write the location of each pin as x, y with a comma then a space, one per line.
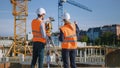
4, 65
112, 59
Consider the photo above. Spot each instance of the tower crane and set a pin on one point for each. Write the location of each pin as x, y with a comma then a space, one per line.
72, 2
20, 13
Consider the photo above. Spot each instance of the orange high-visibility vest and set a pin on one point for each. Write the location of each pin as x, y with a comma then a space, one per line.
70, 39
37, 35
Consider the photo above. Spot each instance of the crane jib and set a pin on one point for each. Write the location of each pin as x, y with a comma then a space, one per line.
78, 5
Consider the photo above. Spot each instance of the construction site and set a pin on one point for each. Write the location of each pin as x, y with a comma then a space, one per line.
16, 51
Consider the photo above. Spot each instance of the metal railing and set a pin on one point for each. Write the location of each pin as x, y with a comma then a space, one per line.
85, 55
91, 55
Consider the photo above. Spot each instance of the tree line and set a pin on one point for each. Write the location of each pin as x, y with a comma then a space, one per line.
107, 38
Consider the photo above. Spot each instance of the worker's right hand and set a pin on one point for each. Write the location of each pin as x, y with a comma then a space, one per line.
48, 34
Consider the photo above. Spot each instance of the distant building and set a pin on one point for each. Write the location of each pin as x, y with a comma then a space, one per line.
94, 33
29, 36
115, 28
6, 38
118, 31
81, 33
82, 44
6, 43
109, 28
4, 46
0, 37
1, 52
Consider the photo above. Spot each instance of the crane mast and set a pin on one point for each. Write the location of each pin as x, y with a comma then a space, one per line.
60, 12
20, 13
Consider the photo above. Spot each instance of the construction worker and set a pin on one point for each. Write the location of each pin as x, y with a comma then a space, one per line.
68, 40
39, 38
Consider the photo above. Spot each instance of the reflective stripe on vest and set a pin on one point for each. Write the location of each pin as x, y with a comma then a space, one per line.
37, 34
74, 35
35, 31
71, 36
70, 41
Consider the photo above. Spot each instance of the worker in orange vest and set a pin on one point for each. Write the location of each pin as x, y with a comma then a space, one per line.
39, 38
68, 40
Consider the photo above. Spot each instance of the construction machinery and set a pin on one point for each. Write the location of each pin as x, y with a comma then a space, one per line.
20, 13
60, 9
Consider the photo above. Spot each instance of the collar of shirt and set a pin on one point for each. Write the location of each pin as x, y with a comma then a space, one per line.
40, 19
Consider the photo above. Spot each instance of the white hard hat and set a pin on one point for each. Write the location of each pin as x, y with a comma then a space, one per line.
41, 11
66, 16
64, 1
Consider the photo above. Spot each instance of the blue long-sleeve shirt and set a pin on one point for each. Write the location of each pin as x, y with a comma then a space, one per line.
61, 37
77, 30
42, 27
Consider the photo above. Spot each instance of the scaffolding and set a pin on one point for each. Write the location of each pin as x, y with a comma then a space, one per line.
20, 13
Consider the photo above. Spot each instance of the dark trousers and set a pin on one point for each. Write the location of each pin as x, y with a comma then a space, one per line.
38, 53
69, 54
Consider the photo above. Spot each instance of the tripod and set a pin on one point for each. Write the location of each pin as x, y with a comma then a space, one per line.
57, 56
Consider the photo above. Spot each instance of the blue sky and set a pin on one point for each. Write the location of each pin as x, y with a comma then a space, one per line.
105, 12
